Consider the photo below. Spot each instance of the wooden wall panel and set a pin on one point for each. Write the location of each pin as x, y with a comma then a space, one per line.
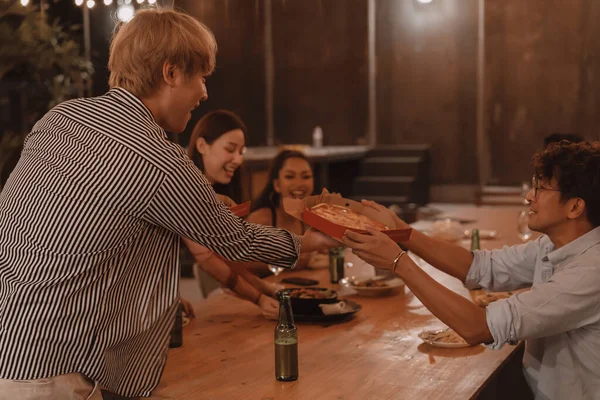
238, 83
426, 86
541, 77
320, 51
542, 62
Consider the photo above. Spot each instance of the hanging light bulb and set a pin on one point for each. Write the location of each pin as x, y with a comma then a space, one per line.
127, 1
90, 4
108, 2
151, 1
78, 2
125, 13
24, 2
140, 1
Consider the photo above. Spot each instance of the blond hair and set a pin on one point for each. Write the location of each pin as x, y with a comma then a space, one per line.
140, 48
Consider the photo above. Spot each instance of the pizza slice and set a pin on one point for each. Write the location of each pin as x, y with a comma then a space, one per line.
346, 217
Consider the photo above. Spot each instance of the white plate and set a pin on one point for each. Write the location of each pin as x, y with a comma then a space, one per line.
425, 334
392, 286
483, 234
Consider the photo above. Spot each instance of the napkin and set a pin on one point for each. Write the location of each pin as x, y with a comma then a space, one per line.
341, 307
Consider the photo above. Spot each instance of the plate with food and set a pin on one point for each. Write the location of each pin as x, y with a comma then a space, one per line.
483, 299
446, 338
374, 286
306, 300
348, 311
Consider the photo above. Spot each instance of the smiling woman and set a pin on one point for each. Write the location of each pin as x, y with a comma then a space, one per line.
290, 175
217, 147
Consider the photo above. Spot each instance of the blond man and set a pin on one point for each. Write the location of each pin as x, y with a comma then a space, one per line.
91, 217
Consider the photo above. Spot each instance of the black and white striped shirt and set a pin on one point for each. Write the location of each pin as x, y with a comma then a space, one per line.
90, 221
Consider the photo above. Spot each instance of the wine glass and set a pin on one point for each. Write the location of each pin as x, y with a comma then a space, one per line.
523, 226
276, 271
525, 188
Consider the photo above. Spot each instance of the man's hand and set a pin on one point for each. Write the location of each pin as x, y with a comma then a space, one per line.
268, 306
187, 308
314, 240
376, 248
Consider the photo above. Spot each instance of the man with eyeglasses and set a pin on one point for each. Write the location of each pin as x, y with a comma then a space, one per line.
560, 316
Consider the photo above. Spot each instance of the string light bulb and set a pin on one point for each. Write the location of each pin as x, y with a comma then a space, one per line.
24, 2
125, 12
108, 2
90, 4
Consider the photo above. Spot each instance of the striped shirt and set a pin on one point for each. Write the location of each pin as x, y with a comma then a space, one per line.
90, 221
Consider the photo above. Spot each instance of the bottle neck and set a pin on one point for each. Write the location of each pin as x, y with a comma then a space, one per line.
475, 241
286, 316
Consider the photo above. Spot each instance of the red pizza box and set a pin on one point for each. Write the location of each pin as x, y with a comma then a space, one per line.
300, 209
241, 210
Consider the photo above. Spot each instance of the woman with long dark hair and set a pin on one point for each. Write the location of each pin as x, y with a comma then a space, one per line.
290, 175
217, 146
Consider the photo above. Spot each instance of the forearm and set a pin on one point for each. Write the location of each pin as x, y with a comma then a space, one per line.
447, 257
263, 286
468, 320
275, 251
228, 277
243, 288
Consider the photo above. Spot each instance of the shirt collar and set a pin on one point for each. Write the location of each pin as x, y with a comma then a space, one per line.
132, 100
576, 247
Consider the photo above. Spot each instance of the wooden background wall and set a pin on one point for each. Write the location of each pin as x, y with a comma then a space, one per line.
541, 74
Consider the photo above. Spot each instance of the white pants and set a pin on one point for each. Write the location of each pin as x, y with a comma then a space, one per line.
62, 387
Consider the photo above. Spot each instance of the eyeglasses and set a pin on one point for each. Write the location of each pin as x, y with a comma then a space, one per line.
535, 182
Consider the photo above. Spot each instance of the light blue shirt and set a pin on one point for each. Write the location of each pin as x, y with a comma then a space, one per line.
559, 317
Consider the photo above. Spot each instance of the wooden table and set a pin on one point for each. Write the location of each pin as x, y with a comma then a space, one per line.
228, 350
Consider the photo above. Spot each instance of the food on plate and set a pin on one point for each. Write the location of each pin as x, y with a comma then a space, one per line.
370, 283
447, 336
346, 217
484, 299
308, 293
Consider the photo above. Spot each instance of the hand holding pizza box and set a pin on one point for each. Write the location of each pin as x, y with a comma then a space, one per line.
333, 215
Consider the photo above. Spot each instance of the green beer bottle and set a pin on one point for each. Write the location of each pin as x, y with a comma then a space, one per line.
286, 341
475, 240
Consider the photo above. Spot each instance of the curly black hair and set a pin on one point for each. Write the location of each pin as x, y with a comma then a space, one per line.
576, 169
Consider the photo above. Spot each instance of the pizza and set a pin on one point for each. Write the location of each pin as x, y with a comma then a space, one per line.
346, 217
484, 299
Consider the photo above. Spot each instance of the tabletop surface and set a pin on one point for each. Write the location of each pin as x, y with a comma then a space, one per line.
228, 349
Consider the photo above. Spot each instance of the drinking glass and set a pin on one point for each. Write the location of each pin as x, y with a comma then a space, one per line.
523, 226
276, 271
